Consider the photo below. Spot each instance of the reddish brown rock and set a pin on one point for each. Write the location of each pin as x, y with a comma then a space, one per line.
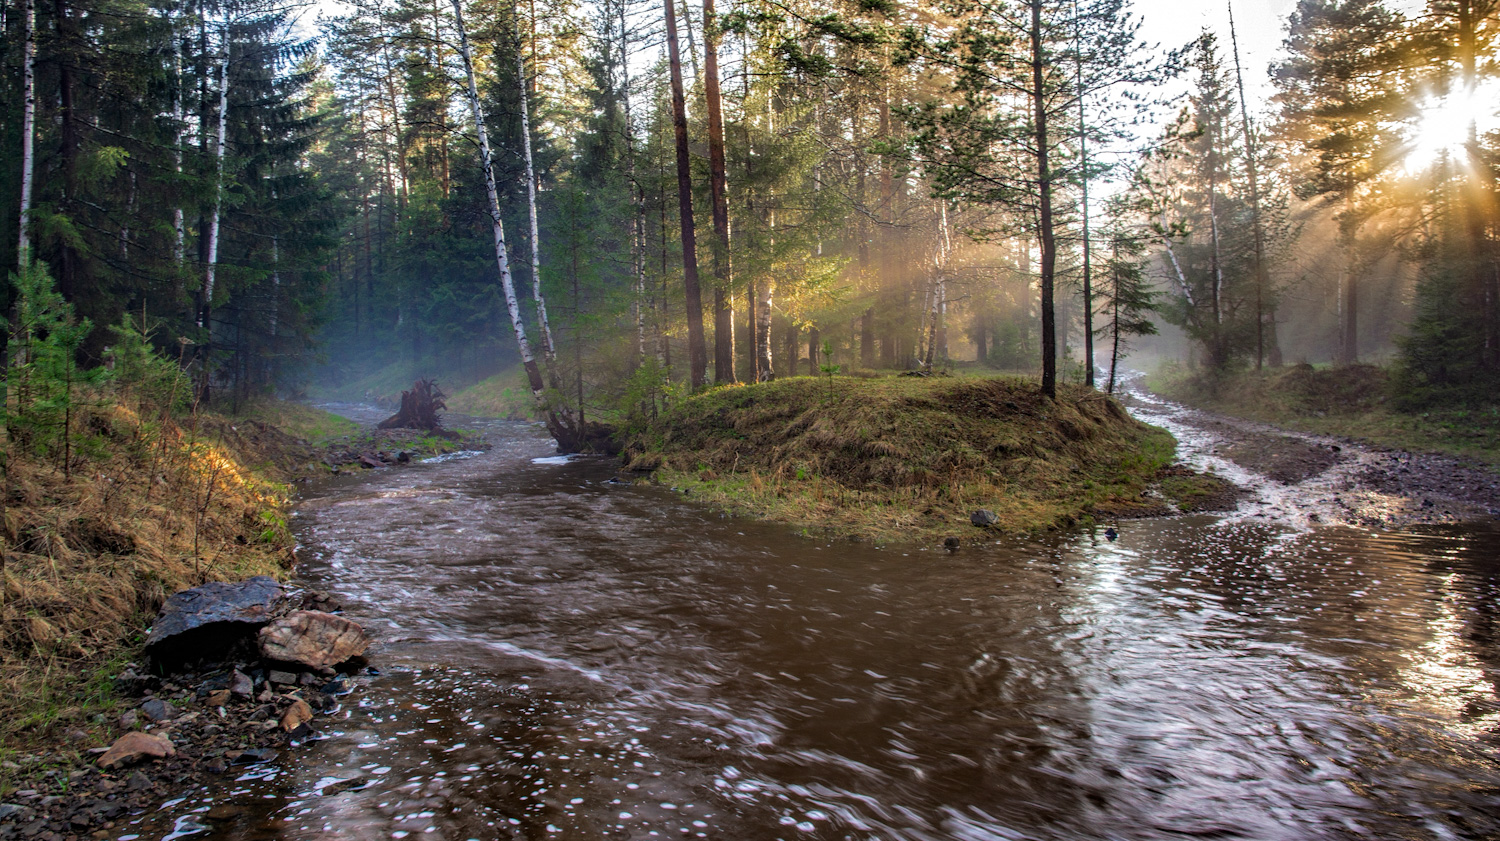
313, 639
296, 715
133, 747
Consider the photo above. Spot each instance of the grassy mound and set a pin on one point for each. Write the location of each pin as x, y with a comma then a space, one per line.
908, 457
1355, 401
144, 506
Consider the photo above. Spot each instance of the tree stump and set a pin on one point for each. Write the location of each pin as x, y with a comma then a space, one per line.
419, 408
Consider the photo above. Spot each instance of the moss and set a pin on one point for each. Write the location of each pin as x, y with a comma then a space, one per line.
894, 458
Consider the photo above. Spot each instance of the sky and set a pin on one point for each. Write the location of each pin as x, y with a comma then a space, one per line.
1259, 25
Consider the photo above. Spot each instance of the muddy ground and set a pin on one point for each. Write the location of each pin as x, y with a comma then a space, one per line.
1329, 480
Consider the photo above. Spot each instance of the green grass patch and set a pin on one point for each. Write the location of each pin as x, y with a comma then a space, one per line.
1352, 401
903, 458
299, 420
504, 395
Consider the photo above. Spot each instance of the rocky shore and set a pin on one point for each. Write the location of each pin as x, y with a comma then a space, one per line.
233, 675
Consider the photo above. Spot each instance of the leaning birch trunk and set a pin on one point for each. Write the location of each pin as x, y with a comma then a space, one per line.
28, 130
564, 436
549, 350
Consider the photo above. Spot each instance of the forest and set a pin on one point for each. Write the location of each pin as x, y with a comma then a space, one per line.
615, 203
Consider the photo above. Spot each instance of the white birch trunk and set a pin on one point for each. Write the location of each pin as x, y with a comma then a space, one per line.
206, 307
28, 130
179, 118
549, 349
502, 258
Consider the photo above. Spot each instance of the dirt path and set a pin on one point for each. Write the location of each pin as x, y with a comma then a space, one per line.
1308, 480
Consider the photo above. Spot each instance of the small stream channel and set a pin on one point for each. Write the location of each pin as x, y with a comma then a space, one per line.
565, 657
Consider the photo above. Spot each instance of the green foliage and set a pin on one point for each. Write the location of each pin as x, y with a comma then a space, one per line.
142, 376
43, 374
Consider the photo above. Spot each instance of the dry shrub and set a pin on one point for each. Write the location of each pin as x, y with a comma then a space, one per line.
147, 509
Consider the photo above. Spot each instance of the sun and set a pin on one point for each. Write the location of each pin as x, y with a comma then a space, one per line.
1440, 131
1444, 125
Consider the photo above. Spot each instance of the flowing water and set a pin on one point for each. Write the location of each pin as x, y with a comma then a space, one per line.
562, 656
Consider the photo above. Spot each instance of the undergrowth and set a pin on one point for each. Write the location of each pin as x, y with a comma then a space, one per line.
114, 493
900, 458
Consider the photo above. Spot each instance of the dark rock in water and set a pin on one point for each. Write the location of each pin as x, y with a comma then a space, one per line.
254, 756
983, 518
341, 786
313, 639
319, 600
209, 621
224, 812
1110, 533
159, 710
951, 544
338, 686
403, 457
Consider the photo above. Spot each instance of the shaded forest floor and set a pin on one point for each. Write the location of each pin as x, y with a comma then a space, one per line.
911, 458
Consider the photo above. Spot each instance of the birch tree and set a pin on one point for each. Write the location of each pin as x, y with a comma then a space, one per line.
567, 437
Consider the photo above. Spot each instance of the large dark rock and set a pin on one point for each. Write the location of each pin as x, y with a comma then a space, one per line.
210, 621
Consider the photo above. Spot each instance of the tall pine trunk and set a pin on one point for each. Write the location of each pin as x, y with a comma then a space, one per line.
1046, 235
1088, 275
719, 192
697, 350
1263, 309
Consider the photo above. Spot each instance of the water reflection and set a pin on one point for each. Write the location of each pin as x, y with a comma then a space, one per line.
572, 658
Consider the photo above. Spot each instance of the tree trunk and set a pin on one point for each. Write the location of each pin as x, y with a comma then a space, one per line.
179, 119
206, 292
549, 350
566, 438
1088, 276
28, 133
697, 350
812, 351
1044, 220
1252, 166
719, 193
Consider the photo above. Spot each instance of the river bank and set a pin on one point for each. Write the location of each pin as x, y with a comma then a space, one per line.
918, 458
146, 506
1333, 433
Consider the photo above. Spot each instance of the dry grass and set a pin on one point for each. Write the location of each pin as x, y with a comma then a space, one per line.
148, 507
900, 458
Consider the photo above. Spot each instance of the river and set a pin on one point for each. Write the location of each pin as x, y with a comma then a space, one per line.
562, 656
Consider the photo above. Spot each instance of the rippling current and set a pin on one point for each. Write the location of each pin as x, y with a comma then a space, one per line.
565, 657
